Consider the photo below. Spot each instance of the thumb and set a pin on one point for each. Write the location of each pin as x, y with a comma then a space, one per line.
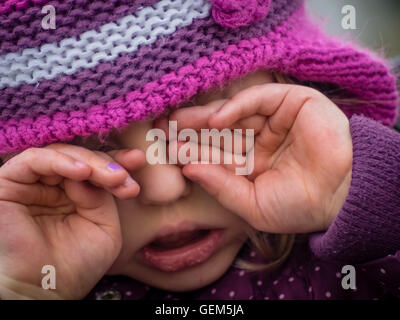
93, 203
234, 192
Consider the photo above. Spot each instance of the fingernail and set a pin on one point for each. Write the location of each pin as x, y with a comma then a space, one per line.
129, 181
113, 167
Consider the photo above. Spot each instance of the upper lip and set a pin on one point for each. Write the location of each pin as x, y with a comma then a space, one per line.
183, 226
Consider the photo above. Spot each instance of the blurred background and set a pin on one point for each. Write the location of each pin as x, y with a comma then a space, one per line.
378, 22
377, 25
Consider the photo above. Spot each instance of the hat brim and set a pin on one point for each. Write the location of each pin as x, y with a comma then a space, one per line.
296, 47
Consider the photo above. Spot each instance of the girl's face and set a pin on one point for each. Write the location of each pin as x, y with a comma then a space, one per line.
167, 200
169, 203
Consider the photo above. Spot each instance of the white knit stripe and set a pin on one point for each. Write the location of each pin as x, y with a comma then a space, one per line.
91, 48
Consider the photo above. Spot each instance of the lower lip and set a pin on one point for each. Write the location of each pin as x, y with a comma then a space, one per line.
184, 257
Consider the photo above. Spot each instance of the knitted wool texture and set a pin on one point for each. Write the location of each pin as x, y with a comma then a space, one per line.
367, 227
108, 63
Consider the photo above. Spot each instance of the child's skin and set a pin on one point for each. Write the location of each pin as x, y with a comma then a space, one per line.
48, 215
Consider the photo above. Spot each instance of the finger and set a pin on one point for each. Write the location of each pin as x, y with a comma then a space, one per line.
226, 140
189, 152
195, 117
235, 193
93, 204
280, 102
193, 153
104, 171
51, 180
130, 159
33, 194
129, 188
31, 164
260, 99
255, 122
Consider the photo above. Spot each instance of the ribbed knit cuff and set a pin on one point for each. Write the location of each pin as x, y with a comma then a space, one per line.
368, 225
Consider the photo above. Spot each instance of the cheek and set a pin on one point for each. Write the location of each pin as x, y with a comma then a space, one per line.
136, 223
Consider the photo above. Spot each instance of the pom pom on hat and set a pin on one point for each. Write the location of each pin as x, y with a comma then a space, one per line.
238, 13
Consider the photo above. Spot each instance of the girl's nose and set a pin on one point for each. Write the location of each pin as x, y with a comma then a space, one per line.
159, 183
162, 184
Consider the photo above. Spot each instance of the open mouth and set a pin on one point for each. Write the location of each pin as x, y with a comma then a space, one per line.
178, 239
181, 250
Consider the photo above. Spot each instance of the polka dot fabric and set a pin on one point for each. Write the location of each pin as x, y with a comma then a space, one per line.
302, 277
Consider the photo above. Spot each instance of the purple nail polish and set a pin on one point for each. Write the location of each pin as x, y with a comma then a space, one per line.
114, 167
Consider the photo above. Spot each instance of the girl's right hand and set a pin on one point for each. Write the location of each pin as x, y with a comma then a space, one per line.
302, 151
51, 215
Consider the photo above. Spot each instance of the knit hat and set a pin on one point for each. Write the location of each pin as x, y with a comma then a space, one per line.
111, 62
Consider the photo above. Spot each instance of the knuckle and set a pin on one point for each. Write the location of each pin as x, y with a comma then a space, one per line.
41, 195
57, 146
305, 93
68, 151
32, 153
5, 191
238, 98
102, 156
59, 155
38, 154
64, 148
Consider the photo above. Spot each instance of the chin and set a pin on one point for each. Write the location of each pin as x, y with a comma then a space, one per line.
189, 278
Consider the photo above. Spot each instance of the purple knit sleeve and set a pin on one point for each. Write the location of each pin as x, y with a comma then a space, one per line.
368, 225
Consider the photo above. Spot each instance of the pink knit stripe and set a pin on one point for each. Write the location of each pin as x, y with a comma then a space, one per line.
272, 52
9, 5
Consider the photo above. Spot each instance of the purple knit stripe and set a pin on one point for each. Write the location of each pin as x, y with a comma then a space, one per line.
9, 5
129, 72
23, 29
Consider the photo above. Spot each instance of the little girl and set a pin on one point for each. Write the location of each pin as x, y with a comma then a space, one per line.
317, 218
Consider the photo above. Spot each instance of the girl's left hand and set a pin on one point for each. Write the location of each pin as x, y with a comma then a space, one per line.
302, 157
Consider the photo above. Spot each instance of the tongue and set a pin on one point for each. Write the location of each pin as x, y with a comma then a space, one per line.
178, 239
